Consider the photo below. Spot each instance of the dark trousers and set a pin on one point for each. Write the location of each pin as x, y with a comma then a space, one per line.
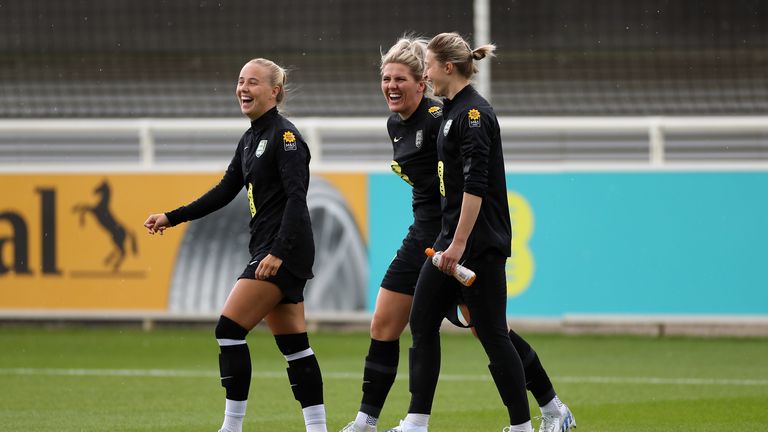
486, 299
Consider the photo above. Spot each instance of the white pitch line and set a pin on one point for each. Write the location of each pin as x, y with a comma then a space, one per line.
189, 373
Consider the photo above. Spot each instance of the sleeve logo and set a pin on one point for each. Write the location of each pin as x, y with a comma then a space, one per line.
289, 141
436, 111
474, 118
447, 127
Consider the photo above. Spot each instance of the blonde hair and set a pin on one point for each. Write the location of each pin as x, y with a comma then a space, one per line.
277, 76
452, 48
410, 51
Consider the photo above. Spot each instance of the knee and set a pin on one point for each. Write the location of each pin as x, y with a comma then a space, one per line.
493, 339
421, 340
387, 327
228, 330
526, 351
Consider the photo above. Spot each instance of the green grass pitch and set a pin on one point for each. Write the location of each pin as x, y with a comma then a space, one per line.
79, 379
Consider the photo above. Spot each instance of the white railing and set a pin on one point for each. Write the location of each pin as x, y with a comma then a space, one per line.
315, 129
655, 127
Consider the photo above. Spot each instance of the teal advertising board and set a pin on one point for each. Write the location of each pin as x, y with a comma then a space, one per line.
680, 243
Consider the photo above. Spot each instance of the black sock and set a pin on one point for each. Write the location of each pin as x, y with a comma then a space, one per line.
379, 375
234, 359
303, 368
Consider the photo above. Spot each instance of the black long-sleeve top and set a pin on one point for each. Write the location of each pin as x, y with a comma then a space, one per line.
272, 163
471, 160
415, 156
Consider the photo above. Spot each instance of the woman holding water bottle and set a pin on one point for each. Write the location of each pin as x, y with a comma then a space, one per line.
476, 233
413, 128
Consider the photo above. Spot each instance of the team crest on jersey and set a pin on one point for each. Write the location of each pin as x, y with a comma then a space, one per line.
260, 149
474, 118
289, 141
419, 138
447, 127
436, 111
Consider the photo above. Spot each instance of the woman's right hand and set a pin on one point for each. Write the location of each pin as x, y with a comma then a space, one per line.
157, 223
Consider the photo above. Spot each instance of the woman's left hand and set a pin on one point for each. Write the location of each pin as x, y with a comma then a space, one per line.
268, 267
451, 257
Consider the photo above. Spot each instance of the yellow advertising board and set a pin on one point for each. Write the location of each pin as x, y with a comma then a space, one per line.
76, 241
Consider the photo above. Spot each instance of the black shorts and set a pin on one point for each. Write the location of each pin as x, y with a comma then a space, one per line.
403, 271
291, 286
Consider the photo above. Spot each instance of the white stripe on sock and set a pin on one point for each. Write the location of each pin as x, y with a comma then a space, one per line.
299, 355
230, 342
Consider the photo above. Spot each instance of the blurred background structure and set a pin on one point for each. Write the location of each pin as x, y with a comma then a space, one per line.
147, 86
148, 58
92, 59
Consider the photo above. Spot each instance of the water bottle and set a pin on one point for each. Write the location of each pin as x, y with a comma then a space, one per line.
462, 274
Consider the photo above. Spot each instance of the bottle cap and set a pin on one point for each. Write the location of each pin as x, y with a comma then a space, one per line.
429, 251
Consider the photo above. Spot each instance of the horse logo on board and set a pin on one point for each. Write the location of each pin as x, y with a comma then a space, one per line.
118, 233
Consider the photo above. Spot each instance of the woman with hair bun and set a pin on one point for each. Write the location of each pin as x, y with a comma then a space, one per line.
476, 232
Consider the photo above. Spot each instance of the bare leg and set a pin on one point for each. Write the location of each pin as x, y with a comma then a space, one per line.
391, 315
251, 301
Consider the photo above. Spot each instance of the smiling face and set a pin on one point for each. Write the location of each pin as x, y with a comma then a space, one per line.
402, 91
436, 73
255, 91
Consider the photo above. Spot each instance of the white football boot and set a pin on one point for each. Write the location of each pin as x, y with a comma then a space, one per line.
351, 428
403, 428
558, 423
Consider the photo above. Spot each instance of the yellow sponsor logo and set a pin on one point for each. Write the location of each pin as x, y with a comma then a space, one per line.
440, 170
397, 169
251, 204
521, 265
289, 141
474, 117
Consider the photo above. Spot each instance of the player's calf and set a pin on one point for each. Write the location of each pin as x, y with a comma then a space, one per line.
305, 378
235, 371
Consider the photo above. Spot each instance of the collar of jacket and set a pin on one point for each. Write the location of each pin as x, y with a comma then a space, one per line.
463, 94
264, 120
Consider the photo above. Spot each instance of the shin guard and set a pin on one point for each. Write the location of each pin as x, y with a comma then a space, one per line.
303, 369
379, 375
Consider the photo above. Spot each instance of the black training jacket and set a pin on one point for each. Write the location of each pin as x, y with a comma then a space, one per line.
470, 160
415, 156
272, 163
